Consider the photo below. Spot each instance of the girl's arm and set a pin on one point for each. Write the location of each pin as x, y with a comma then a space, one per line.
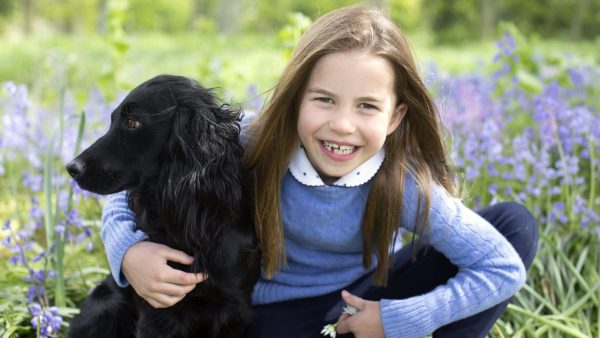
118, 232
490, 270
144, 264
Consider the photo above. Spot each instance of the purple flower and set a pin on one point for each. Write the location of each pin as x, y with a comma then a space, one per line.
507, 44
39, 257
35, 212
32, 182
73, 218
35, 291
60, 229
6, 242
47, 321
255, 103
493, 189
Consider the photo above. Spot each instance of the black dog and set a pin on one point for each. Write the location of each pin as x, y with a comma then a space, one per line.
178, 155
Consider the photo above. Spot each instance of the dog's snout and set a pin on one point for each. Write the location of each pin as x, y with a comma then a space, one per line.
75, 168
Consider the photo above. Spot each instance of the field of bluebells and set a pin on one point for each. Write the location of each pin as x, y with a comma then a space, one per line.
524, 127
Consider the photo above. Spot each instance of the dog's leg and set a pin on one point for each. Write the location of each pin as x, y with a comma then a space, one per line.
108, 312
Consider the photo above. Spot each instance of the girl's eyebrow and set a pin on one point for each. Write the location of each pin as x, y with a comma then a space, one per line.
320, 91
330, 94
369, 99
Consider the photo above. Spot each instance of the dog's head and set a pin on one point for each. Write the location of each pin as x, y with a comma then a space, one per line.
167, 125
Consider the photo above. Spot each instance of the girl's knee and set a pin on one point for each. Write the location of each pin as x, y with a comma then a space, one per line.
521, 229
515, 222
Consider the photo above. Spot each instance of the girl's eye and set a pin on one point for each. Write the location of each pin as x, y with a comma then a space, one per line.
367, 106
324, 99
132, 124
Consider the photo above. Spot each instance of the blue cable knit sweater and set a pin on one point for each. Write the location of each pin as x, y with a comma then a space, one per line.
323, 241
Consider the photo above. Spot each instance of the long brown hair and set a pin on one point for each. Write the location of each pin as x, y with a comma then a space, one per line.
415, 147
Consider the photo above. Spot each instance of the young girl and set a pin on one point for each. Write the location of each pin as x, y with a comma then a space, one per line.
347, 151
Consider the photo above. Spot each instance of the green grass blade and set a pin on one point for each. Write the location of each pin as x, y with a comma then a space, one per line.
555, 325
48, 214
541, 298
592, 293
58, 263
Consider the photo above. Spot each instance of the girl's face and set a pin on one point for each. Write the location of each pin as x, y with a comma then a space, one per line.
347, 110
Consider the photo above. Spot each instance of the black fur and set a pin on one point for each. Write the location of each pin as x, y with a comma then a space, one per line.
182, 168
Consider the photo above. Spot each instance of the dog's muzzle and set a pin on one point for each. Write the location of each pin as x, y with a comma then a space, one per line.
76, 168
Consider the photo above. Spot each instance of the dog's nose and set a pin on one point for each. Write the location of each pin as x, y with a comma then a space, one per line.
75, 168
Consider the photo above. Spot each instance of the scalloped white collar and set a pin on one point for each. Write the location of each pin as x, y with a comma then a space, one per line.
303, 171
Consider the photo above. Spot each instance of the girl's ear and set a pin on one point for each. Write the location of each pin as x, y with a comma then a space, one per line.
397, 117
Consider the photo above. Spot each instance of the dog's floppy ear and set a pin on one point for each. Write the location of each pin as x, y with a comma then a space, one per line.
164, 100
201, 181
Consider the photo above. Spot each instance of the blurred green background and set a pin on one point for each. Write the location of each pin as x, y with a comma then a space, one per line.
242, 45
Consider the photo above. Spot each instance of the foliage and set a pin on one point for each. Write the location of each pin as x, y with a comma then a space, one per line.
461, 20
562, 297
161, 16
290, 33
43, 237
118, 46
6, 7
408, 14
530, 132
524, 126
454, 21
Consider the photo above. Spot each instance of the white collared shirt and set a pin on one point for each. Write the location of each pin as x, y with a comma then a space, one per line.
303, 171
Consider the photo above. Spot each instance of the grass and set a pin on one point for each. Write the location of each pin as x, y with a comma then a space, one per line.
561, 298
227, 62
232, 62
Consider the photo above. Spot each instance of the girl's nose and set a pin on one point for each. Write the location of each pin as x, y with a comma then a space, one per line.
341, 122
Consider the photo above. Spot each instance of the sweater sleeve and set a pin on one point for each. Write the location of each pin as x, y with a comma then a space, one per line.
489, 269
118, 233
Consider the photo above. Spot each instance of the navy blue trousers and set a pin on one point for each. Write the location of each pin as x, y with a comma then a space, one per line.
304, 318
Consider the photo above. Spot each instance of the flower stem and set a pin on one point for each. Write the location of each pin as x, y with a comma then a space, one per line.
592, 173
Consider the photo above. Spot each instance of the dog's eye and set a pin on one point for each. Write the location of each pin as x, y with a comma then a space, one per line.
132, 124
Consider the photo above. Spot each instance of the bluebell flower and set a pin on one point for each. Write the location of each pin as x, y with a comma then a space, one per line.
35, 291
6, 241
47, 321
493, 189
60, 229
73, 218
32, 182
39, 257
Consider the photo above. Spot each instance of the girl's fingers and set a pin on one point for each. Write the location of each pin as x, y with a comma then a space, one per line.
163, 301
343, 316
171, 290
178, 256
168, 294
353, 300
179, 277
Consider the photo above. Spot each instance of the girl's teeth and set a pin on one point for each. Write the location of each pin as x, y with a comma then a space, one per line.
338, 149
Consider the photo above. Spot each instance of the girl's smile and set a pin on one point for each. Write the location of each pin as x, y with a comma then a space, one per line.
347, 110
339, 152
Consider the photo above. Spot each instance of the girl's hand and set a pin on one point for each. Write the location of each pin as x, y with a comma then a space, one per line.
145, 267
364, 324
